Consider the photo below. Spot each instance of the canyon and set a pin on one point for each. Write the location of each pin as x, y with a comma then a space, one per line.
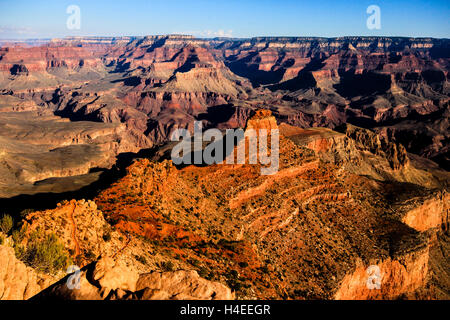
363, 171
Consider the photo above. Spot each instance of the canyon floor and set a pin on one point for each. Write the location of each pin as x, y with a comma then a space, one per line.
363, 181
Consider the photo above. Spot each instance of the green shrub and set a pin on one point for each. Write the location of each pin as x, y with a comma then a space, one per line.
25, 212
194, 262
43, 253
233, 274
166, 266
6, 223
230, 245
264, 269
17, 236
203, 272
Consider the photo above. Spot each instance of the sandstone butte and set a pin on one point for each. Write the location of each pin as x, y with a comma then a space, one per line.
308, 231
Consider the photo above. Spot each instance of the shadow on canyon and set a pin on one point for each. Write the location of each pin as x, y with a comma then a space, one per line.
41, 201
16, 205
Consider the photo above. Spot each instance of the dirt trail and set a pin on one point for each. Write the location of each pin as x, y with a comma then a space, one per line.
74, 231
123, 248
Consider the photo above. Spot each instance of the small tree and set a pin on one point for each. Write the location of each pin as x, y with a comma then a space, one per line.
6, 223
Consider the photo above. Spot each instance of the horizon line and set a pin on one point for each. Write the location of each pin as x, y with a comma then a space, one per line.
213, 38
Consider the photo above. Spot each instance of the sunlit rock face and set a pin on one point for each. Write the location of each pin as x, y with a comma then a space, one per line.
360, 121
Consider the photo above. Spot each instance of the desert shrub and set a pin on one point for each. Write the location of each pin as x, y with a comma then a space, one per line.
141, 259
166, 266
2, 239
211, 276
235, 285
6, 223
194, 262
43, 253
25, 212
17, 236
107, 236
90, 255
229, 245
233, 274
264, 269
113, 221
203, 272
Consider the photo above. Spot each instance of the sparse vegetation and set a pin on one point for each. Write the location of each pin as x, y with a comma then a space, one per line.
140, 259
265, 269
166, 266
6, 223
203, 272
26, 212
44, 253
17, 236
90, 255
107, 236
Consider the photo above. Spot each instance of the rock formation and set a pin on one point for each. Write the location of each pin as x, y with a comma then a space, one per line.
17, 281
361, 121
287, 224
110, 279
155, 84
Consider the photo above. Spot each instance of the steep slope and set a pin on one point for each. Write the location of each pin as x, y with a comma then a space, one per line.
309, 231
298, 226
18, 281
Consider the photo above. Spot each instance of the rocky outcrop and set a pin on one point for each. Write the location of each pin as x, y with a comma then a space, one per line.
111, 279
181, 285
364, 152
23, 60
424, 213
396, 278
18, 281
262, 120
79, 225
365, 140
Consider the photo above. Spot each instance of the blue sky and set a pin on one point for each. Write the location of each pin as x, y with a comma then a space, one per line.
209, 18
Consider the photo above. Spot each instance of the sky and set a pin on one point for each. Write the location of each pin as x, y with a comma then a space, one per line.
20, 19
